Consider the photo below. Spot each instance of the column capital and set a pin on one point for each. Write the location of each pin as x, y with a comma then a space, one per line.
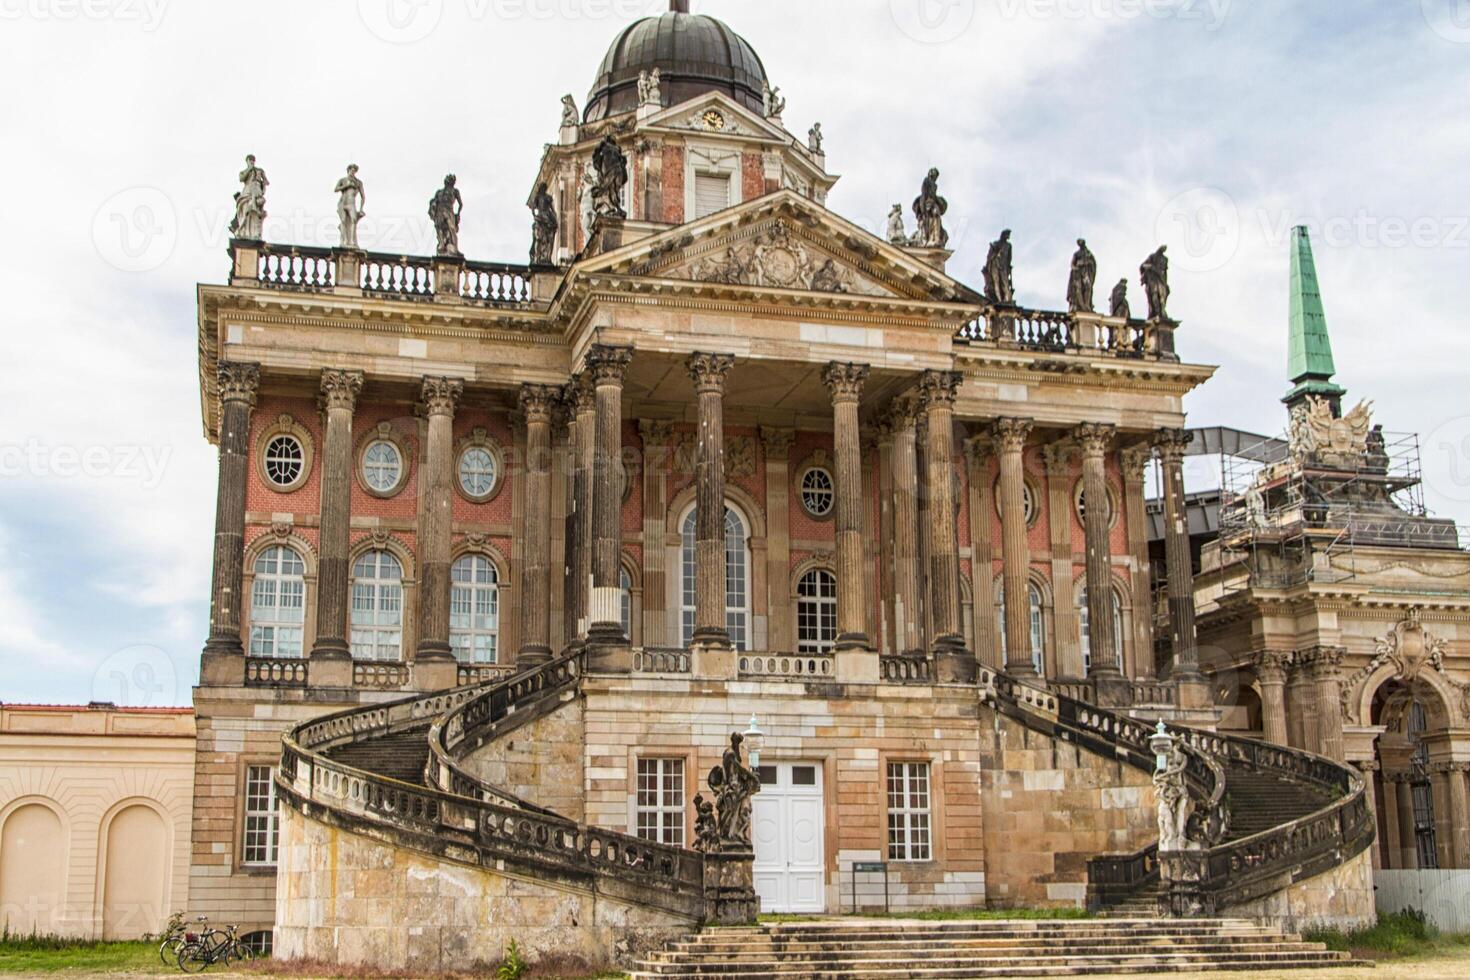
1271, 667
845, 380
1058, 456
538, 402
709, 371
777, 442
938, 389
1134, 461
1173, 443
904, 410
580, 393
1322, 662
340, 389
238, 381
608, 365
656, 433
979, 449
1010, 434
441, 395
1094, 437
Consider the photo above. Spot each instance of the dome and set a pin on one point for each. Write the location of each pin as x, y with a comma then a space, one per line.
693, 53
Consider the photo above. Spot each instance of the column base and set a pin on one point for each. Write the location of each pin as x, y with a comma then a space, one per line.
331, 667
435, 674
715, 659
853, 641
1024, 670
221, 669
609, 658
533, 655
953, 664
225, 645
431, 650
606, 634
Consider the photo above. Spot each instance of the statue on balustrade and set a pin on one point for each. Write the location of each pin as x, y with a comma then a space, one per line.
774, 102
897, 233
1118, 302
445, 209
249, 220
1000, 287
1155, 276
814, 138
569, 114
650, 90
1174, 805
352, 197
543, 226
929, 210
587, 199
612, 177
733, 783
1084, 279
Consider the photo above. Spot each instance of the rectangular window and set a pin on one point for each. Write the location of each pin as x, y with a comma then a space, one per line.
908, 811
660, 801
262, 823
711, 193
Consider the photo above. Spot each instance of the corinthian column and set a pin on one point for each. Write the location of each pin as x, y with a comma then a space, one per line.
1172, 444
439, 396
584, 404
845, 382
1009, 437
608, 366
1326, 675
1095, 440
953, 663
339, 391
1271, 676
537, 403
238, 384
708, 371
907, 605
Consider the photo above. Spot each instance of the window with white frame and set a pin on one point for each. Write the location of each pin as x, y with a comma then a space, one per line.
474, 610
382, 466
659, 807
1037, 623
737, 578
285, 461
816, 612
277, 603
908, 812
1084, 618
262, 822
818, 492
377, 607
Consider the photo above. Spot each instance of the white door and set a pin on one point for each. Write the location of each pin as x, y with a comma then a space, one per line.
789, 855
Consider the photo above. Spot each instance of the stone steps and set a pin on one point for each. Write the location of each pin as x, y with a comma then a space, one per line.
401, 757
880, 949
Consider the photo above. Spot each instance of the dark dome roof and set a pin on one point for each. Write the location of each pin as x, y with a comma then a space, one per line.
693, 53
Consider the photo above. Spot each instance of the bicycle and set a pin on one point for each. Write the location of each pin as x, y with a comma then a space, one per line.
213, 947
173, 938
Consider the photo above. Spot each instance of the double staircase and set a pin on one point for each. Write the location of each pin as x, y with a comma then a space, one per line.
893, 949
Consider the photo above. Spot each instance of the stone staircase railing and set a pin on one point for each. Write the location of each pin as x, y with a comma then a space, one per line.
461, 818
1222, 872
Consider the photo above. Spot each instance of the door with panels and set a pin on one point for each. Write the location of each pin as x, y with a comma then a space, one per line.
790, 857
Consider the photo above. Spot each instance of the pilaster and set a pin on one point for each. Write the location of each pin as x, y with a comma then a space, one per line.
1009, 436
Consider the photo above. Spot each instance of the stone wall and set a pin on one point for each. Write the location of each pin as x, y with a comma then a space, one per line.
540, 762
346, 899
1049, 807
1338, 899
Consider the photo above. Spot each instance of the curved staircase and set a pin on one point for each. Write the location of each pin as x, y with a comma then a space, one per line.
1268, 817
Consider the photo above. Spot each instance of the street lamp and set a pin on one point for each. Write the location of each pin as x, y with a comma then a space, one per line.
1162, 745
755, 740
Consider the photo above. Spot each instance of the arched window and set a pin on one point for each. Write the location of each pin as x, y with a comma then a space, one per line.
377, 607
816, 612
625, 602
1084, 618
277, 604
737, 579
474, 610
1038, 625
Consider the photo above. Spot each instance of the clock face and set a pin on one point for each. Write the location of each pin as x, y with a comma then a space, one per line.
714, 119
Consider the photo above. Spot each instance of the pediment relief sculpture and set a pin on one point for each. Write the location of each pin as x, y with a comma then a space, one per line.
1411, 650
777, 258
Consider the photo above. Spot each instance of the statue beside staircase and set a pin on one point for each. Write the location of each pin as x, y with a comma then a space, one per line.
722, 832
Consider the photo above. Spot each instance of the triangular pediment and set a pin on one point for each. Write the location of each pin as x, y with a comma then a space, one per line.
782, 241
714, 114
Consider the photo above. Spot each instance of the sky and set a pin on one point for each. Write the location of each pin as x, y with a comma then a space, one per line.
1213, 126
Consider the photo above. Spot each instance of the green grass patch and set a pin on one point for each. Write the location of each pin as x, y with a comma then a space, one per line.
53, 954
1400, 935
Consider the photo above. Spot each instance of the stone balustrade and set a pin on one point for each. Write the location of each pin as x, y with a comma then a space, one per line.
906, 670
1063, 333
275, 672
820, 665
307, 268
657, 660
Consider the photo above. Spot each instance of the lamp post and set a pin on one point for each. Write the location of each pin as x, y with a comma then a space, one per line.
755, 740
1161, 743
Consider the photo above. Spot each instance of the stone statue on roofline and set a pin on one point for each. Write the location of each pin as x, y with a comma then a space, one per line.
543, 226
814, 138
1118, 302
650, 90
587, 199
249, 220
1084, 279
612, 177
569, 114
350, 201
1154, 273
897, 234
772, 100
1000, 287
929, 210
445, 209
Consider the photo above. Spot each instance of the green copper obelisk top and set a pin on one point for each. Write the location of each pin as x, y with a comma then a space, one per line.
1309, 363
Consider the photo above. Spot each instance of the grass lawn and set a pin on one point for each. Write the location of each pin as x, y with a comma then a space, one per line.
1400, 936
57, 956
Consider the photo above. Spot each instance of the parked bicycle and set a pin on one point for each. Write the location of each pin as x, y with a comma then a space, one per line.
214, 946
173, 939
